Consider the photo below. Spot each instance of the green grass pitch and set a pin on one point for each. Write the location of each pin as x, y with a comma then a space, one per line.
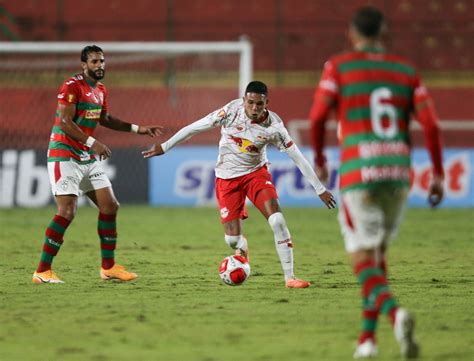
179, 310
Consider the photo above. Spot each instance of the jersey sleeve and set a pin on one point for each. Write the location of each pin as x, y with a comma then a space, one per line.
69, 93
328, 84
222, 116
212, 120
426, 114
281, 139
105, 105
325, 96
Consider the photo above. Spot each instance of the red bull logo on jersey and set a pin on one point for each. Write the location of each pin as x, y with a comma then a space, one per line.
245, 145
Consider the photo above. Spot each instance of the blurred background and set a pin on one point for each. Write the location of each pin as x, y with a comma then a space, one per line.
291, 39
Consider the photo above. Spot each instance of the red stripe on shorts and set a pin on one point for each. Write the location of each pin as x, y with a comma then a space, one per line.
347, 215
57, 171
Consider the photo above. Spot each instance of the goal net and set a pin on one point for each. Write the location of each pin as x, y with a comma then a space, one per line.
163, 83
168, 83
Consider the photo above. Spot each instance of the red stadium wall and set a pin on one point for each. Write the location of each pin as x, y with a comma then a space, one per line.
287, 34
152, 106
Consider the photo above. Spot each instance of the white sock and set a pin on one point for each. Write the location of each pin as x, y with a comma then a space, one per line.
283, 243
236, 242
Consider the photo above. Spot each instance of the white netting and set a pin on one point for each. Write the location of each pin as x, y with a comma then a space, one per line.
171, 87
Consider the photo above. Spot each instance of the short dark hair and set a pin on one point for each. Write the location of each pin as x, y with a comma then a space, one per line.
256, 87
368, 21
90, 49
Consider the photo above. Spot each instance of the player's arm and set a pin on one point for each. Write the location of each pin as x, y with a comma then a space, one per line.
109, 121
71, 129
303, 165
182, 135
426, 115
284, 142
324, 100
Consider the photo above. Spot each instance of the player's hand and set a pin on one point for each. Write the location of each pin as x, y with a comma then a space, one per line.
156, 149
328, 199
436, 191
152, 130
322, 173
101, 150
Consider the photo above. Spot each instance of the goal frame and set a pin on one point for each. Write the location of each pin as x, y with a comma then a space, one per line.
243, 48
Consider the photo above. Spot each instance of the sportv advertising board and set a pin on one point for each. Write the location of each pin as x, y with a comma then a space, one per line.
185, 177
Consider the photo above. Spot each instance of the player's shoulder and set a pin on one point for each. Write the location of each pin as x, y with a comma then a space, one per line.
232, 107
101, 86
353, 56
274, 116
76, 81
396, 58
340, 57
234, 104
274, 119
76, 78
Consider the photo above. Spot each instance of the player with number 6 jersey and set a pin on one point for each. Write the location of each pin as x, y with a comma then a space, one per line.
374, 94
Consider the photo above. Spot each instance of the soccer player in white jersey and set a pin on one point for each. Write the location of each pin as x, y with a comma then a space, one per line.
247, 127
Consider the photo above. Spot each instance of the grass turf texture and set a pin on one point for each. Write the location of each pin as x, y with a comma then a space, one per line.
179, 310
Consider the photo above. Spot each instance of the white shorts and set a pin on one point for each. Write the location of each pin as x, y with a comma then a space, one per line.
69, 177
370, 218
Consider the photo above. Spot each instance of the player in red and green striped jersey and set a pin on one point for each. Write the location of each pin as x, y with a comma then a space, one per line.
73, 167
374, 94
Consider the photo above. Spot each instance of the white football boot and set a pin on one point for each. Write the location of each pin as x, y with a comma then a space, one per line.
367, 349
404, 329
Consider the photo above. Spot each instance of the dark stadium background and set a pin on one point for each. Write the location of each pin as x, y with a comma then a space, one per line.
291, 40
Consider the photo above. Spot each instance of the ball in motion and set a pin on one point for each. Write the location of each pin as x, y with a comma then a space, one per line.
234, 270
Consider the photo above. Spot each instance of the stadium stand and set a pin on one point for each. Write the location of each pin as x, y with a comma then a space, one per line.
291, 41
299, 32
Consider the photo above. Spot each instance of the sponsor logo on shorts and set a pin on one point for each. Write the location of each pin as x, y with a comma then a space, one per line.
224, 212
64, 184
96, 175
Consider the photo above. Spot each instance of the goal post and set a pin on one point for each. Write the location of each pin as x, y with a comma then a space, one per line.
243, 48
169, 83
149, 83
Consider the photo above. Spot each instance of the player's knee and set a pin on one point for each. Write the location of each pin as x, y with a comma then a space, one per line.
68, 211
277, 221
232, 241
111, 207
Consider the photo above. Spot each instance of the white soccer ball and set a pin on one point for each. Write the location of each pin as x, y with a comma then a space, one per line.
234, 270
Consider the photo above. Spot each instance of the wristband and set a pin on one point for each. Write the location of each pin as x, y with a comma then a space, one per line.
134, 128
90, 141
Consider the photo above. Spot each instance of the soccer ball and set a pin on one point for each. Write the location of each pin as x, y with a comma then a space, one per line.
234, 270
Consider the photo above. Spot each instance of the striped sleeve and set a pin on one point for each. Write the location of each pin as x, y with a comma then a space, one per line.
69, 93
